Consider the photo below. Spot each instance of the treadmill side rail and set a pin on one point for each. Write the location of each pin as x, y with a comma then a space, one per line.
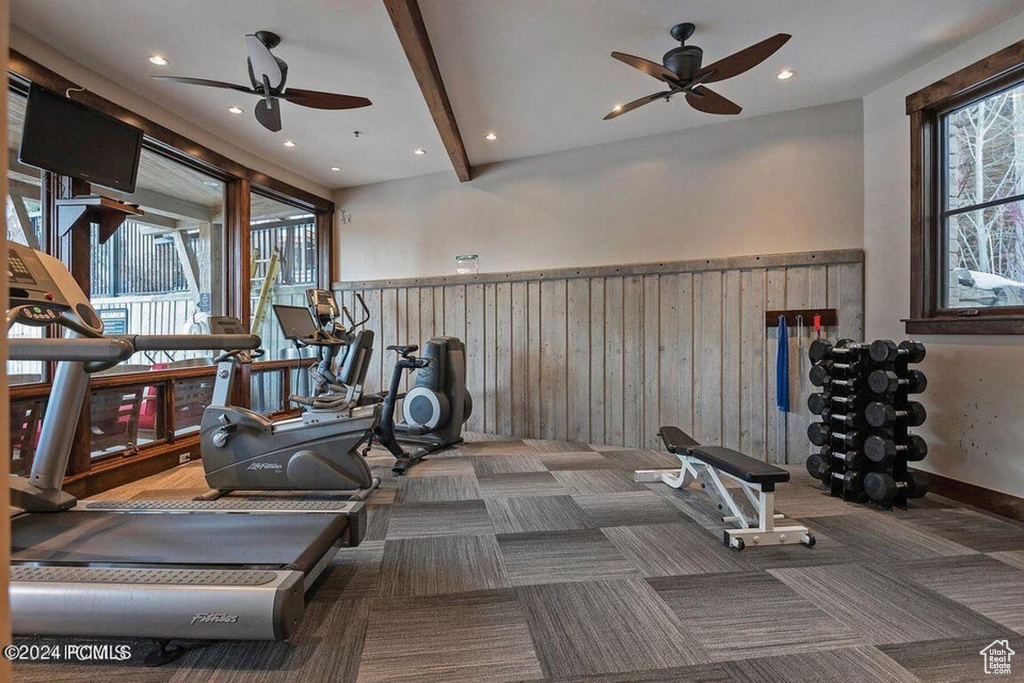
202, 604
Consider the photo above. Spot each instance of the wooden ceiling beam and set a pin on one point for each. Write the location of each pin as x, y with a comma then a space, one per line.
412, 33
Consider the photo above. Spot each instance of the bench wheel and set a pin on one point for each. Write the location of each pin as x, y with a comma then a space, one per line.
808, 540
738, 544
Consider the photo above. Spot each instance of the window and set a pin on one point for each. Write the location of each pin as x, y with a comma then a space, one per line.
283, 266
983, 210
967, 147
162, 272
24, 224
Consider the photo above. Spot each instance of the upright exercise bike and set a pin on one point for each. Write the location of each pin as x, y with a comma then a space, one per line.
319, 450
434, 410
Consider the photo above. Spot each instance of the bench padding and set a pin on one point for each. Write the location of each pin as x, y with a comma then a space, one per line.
732, 462
677, 441
739, 465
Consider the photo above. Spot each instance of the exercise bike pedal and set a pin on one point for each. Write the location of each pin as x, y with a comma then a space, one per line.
402, 465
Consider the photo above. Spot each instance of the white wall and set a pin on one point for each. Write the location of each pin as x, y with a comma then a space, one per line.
975, 396
781, 183
46, 55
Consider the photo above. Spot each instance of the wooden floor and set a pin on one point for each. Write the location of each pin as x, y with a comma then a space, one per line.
511, 560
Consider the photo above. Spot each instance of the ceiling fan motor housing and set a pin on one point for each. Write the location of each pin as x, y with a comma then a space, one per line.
684, 61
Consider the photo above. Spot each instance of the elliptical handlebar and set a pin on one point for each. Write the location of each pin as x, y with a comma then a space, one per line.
366, 315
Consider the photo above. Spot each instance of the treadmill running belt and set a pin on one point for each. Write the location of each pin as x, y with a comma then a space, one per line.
265, 540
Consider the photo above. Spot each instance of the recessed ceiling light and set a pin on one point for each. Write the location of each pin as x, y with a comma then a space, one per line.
335, 168
211, 183
617, 107
158, 60
491, 136
235, 110
419, 150
288, 143
786, 74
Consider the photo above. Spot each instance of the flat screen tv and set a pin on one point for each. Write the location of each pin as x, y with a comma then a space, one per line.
67, 137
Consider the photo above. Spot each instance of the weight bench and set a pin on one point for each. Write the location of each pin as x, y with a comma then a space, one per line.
757, 479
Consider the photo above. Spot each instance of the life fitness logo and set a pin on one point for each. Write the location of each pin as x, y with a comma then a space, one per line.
997, 657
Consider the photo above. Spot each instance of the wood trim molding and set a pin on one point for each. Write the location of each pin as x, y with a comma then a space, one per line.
412, 33
976, 75
978, 496
171, 142
808, 258
119, 471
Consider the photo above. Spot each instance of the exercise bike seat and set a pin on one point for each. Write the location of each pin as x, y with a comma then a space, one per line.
404, 350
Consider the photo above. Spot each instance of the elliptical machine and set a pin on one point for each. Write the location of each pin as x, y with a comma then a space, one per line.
434, 410
319, 450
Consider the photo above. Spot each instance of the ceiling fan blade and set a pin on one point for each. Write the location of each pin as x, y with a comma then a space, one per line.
648, 67
619, 111
324, 100
741, 61
205, 82
263, 63
710, 102
268, 113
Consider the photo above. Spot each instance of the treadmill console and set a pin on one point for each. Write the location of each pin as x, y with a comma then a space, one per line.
31, 289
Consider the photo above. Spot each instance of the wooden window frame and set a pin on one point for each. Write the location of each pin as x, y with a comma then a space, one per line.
87, 475
927, 260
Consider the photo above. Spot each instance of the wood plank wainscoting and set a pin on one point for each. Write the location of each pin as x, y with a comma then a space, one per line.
608, 354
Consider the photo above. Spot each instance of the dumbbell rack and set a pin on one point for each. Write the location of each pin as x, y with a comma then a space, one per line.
853, 376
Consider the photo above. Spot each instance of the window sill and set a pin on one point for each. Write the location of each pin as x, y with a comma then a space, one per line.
982, 325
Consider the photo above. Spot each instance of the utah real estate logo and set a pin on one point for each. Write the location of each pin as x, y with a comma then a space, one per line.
997, 657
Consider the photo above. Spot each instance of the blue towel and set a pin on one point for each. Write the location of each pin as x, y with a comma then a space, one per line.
782, 368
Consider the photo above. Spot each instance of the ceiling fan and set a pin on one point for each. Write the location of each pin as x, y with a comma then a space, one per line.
267, 74
681, 71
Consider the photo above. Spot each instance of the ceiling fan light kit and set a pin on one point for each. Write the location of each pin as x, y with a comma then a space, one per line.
682, 71
267, 75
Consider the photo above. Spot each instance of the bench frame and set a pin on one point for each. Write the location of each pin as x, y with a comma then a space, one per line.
758, 529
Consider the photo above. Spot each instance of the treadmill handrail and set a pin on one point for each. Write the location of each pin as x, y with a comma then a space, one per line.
104, 349
120, 348
194, 342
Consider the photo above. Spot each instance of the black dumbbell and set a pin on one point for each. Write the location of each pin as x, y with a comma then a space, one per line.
880, 414
820, 434
817, 467
822, 348
886, 350
819, 403
882, 488
884, 381
819, 377
846, 419
821, 372
851, 460
882, 451
853, 480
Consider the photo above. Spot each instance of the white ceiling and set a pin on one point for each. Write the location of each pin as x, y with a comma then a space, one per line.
539, 72
536, 71
347, 47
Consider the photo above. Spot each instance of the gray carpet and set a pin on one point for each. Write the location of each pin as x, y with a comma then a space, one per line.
512, 560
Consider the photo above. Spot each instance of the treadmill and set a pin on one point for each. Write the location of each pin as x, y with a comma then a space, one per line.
217, 574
